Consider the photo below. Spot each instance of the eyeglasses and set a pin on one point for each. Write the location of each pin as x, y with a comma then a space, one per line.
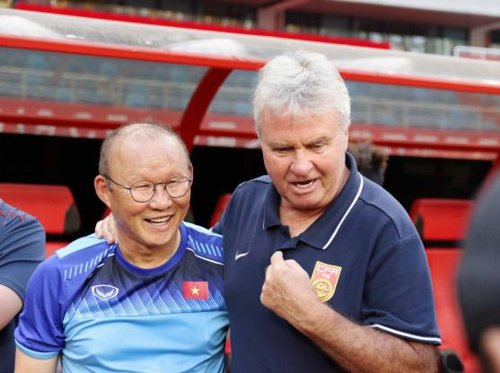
143, 191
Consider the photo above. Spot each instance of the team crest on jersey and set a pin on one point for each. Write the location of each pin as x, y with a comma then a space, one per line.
105, 292
195, 289
324, 280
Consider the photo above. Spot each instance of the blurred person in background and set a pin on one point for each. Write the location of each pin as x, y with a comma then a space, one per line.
22, 248
479, 278
371, 160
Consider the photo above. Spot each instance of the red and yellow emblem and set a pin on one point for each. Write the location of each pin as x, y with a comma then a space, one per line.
324, 280
195, 289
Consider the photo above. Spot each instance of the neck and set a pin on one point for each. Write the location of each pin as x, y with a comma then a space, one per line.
298, 221
148, 257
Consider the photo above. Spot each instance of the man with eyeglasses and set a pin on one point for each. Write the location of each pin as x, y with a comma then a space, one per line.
151, 303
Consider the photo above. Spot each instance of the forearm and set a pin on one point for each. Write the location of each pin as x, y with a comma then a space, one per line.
10, 305
26, 364
361, 348
287, 292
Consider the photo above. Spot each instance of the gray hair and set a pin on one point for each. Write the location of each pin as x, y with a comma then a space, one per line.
141, 131
301, 83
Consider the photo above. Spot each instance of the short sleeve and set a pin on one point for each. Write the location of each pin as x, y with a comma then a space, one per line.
22, 247
398, 295
40, 331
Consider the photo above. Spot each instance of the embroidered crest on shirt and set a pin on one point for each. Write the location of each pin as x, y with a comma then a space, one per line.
105, 292
324, 280
195, 289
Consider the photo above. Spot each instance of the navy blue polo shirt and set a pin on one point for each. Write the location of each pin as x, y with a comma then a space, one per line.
363, 255
22, 248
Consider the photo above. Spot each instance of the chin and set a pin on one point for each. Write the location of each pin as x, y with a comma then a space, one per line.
305, 204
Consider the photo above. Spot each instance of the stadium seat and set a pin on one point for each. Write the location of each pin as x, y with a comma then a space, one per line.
444, 221
53, 205
221, 204
443, 264
441, 219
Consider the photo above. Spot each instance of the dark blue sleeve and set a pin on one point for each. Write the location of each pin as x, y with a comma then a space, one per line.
398, 296
219, 226
22, 247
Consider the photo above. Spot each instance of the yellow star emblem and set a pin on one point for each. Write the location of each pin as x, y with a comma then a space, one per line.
195, 290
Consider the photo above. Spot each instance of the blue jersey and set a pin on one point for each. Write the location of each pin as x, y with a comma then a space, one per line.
102, 314
364, 257
22, 248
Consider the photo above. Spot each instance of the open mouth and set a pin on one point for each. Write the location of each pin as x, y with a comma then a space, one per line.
159, 220
304, 184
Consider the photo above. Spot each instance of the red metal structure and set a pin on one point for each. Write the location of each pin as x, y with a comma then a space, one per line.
474, 85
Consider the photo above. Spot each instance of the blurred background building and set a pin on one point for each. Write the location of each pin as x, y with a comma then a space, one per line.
443, 132
441, 27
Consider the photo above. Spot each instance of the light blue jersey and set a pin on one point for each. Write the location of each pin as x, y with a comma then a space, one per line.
102, 314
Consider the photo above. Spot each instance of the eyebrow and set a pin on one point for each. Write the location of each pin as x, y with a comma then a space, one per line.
285, 144
319, 140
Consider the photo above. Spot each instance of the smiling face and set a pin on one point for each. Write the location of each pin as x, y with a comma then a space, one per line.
153, 225
305, 157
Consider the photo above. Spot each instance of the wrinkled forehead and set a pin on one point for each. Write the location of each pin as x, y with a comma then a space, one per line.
147, 151
270, 117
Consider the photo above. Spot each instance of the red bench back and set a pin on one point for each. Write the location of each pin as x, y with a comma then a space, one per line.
220, 206
441, 219
444, 221
52, 205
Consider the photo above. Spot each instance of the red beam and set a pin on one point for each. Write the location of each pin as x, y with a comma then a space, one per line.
199, 103
154, 55
197, 25
402, 80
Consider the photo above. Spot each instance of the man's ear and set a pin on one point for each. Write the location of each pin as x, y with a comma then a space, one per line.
101, 187
191, 171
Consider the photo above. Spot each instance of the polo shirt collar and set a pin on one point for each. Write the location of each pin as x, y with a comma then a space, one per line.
321, 233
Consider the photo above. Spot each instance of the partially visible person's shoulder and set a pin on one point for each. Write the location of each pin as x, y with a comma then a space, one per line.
204, 242
376, 195
265, 179
21, 235
384, 206
87, 246
11, 217
83, 255
248, 198
478, 277
252, 188
198, 230
76, 261
258, 182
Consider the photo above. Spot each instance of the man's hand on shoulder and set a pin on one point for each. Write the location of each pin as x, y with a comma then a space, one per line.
106, 229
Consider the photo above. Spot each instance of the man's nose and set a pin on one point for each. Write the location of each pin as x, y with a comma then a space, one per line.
161, 195
301, 164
